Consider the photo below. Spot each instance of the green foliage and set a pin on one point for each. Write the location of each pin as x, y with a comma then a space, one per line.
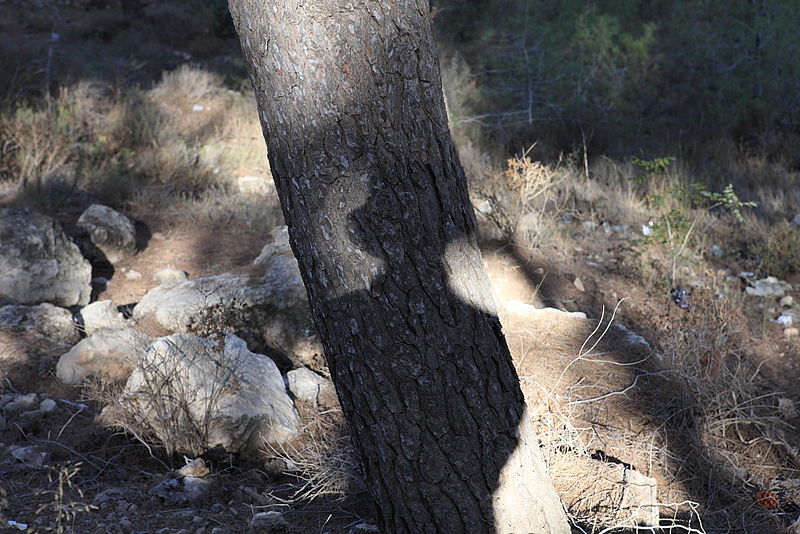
650, 167
629, 74
676, 209
729, 200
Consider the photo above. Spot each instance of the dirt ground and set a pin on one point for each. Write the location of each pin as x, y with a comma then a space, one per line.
594, 394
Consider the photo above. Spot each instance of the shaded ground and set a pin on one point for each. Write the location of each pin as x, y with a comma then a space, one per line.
594, 394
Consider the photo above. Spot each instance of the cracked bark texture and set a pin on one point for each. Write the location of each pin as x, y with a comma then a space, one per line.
350, 101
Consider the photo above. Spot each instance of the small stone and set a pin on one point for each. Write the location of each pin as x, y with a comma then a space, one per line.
784, 319
796, 220
169, 276
791, 333
28, 456
271, 521
106, 497
579, 284
48, 406
197, 519
715, 251
589, 225
133, 275
22, 403
125, 523
181, 490
365, 527
109, 235
100, 315
768, 287
786, 301
307, 385
217, 530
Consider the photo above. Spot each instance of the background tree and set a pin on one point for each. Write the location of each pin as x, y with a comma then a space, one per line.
350, 101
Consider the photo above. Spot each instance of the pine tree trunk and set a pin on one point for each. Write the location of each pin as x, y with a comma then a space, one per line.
350, 100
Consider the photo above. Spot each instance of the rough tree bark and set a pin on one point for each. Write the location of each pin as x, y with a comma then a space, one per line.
350, 100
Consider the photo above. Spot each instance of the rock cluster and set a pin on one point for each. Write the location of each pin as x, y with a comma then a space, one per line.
220, 393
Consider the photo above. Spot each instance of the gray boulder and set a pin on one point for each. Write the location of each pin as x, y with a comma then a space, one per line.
100, 315
111, 233
267, 305
181, 306
38, 262
195, 394
107, 354
307, 385
49, 321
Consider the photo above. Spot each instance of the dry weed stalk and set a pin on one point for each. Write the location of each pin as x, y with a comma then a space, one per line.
61, 505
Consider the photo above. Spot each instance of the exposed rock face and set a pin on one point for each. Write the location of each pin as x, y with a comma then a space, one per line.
38, 261
179, 307
111, 233
108, 354
100, 315
269, 305
50, 321
209, 394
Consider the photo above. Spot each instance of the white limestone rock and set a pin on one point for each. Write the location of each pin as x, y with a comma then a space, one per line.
107, 354
51, 322
101, 315
39, 263
307, 385
112, 233
240, 396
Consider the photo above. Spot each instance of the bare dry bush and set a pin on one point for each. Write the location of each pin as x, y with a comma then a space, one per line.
172, 396
324, 464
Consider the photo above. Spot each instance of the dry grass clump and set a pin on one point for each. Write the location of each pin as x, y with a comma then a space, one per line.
721, 435
182, 142
324, 464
